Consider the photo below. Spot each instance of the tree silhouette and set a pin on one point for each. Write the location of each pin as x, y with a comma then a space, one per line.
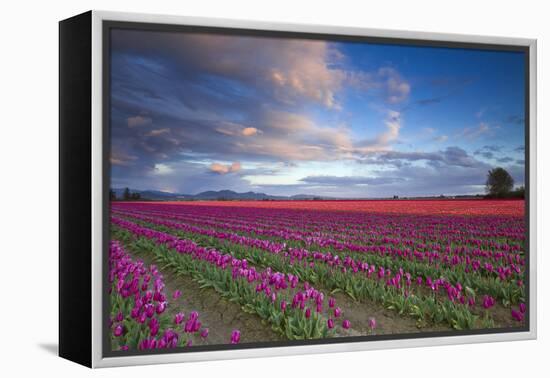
126, 194
112, 195
499, 183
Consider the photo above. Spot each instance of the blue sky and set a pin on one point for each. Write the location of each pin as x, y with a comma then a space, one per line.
196, 112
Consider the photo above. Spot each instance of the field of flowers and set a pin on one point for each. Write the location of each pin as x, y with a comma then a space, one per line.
190, 273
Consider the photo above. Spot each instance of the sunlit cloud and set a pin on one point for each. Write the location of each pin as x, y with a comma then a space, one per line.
138, 121
223, 169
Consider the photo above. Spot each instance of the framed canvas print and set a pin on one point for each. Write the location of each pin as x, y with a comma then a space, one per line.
233, 189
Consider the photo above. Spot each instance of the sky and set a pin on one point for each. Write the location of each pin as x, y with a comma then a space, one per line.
192, 112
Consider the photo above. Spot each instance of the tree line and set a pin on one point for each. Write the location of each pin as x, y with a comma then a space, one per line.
127, 195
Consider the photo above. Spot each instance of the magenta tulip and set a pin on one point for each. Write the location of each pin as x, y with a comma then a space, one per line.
235, 336
118, 330
372, 323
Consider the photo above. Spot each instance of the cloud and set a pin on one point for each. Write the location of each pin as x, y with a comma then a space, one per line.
340, 181
393, 123
222, 169
157, 132
225, 132
249, 131
163, 169
121, 158
288, 69
451, 157
247, 98
485, 154
515, 119
234, 129
481, 112
492, 148
397, 89
472, 133
138, 121
430, 101
441, 138
505, 159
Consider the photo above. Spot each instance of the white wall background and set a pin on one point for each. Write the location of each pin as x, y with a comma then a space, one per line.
28, 148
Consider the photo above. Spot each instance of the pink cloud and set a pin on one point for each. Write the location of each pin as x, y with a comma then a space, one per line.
223, 169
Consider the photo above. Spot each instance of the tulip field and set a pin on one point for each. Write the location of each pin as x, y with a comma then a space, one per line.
227, 272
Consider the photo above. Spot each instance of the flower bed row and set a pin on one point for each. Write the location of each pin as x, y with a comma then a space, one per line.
434, 302
365, 266
506, 263
138, 317
294, 309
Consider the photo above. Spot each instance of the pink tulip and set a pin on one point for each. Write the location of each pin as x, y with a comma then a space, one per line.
235, 336
517, 315
118, 330
372, 323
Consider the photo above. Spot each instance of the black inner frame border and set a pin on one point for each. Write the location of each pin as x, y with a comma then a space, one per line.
109, 25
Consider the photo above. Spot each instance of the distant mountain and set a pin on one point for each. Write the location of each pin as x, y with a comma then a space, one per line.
231, 195
152, 194
211, 195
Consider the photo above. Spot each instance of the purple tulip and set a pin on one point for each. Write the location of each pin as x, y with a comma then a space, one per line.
154, 326
488, 302
160, 308
308, 313
283, 306
337, 312
235, 336
331, 302
522, 308
372, 323
118, 330
517, 315
179, 318
346, 324
330, 323
176, 294
204, 333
